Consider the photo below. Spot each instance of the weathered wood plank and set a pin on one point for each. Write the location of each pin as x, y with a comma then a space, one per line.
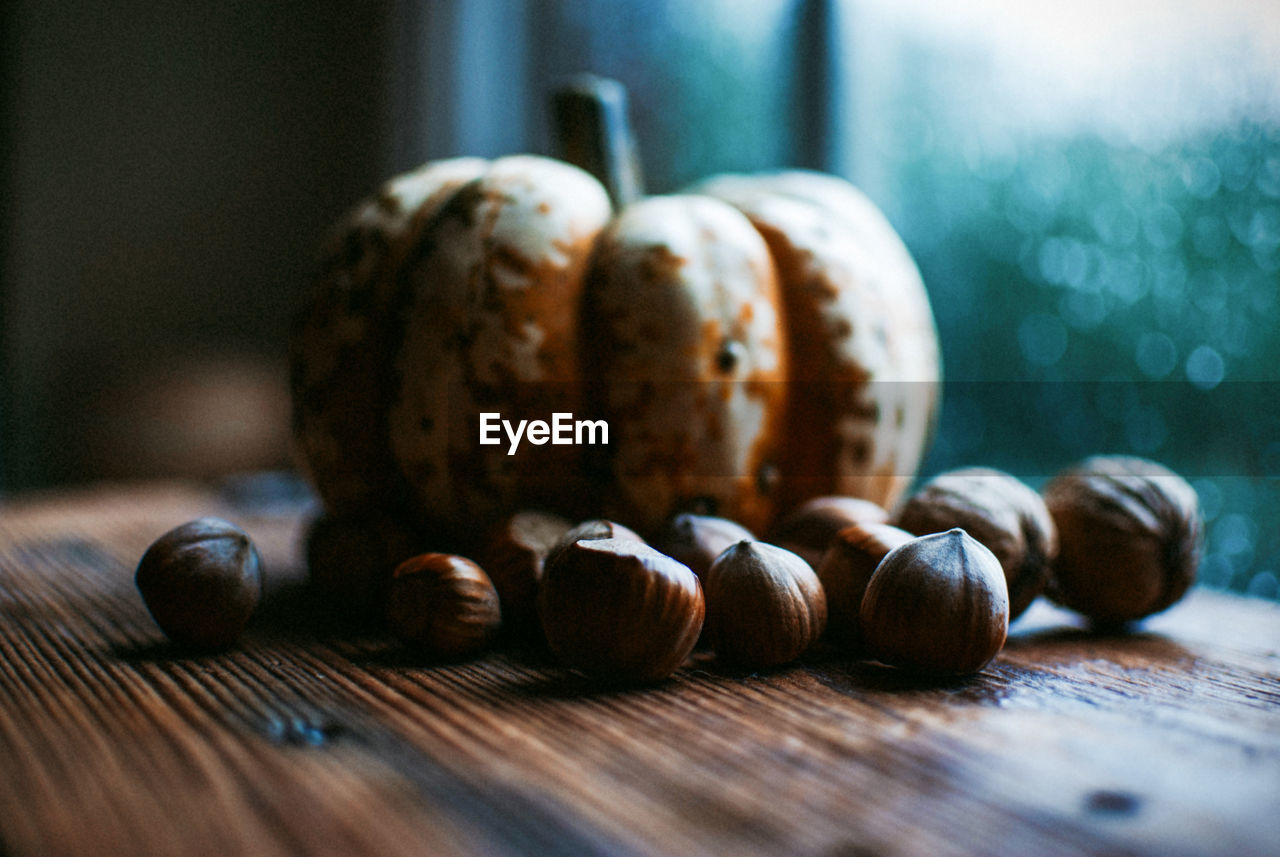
308, 740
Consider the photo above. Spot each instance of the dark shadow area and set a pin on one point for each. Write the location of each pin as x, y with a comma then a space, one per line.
164, 651
566, 684
1120, 644
289, 613
856, 678
704, 661
856, 849
1112, 803
295, 610
403, 656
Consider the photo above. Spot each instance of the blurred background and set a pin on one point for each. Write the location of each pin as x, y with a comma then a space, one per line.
1092, 191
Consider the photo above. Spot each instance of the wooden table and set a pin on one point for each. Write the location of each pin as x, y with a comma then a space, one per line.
309, 740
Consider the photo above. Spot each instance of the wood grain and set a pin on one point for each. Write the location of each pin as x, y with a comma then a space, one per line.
314, 739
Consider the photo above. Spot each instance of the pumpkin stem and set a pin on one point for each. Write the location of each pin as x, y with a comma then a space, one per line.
594, 133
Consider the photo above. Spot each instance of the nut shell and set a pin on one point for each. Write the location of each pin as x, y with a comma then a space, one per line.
765, 605
809, 529
998, 510
846, 569
202, 582
617, 609
514, 554
443, 603
596, 528
1131, 537
697, 540
937, 604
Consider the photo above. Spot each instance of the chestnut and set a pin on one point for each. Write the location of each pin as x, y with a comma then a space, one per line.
202, 582
696, 540
845, 571
513, 554
937, 604
765, 606
1131, 538
443, 603
596, 528
809, 528
616, 609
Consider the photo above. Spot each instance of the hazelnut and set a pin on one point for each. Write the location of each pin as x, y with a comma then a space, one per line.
845, 570
443, 603
201, 581
1131, 538
998, 510
765, 606
350, 559
810, 527
513, 554
696, 540
617, 609
937, 604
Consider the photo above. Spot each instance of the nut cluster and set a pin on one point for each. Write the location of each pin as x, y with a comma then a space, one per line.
697, 540
514, 554
1114, 538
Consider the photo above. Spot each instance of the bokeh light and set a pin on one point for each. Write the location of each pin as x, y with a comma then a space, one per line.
1103, 253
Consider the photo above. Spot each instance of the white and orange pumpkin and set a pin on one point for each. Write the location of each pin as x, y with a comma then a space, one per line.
752, 343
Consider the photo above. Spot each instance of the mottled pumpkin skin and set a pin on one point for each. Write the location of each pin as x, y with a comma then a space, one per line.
759, 341
345, 339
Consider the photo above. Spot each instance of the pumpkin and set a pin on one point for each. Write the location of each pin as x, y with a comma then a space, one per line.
751, 343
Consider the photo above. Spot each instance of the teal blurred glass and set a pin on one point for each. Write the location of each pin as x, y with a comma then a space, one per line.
1104, 263
715, 85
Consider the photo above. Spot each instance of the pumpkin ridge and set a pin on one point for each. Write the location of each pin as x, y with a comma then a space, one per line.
347, 326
